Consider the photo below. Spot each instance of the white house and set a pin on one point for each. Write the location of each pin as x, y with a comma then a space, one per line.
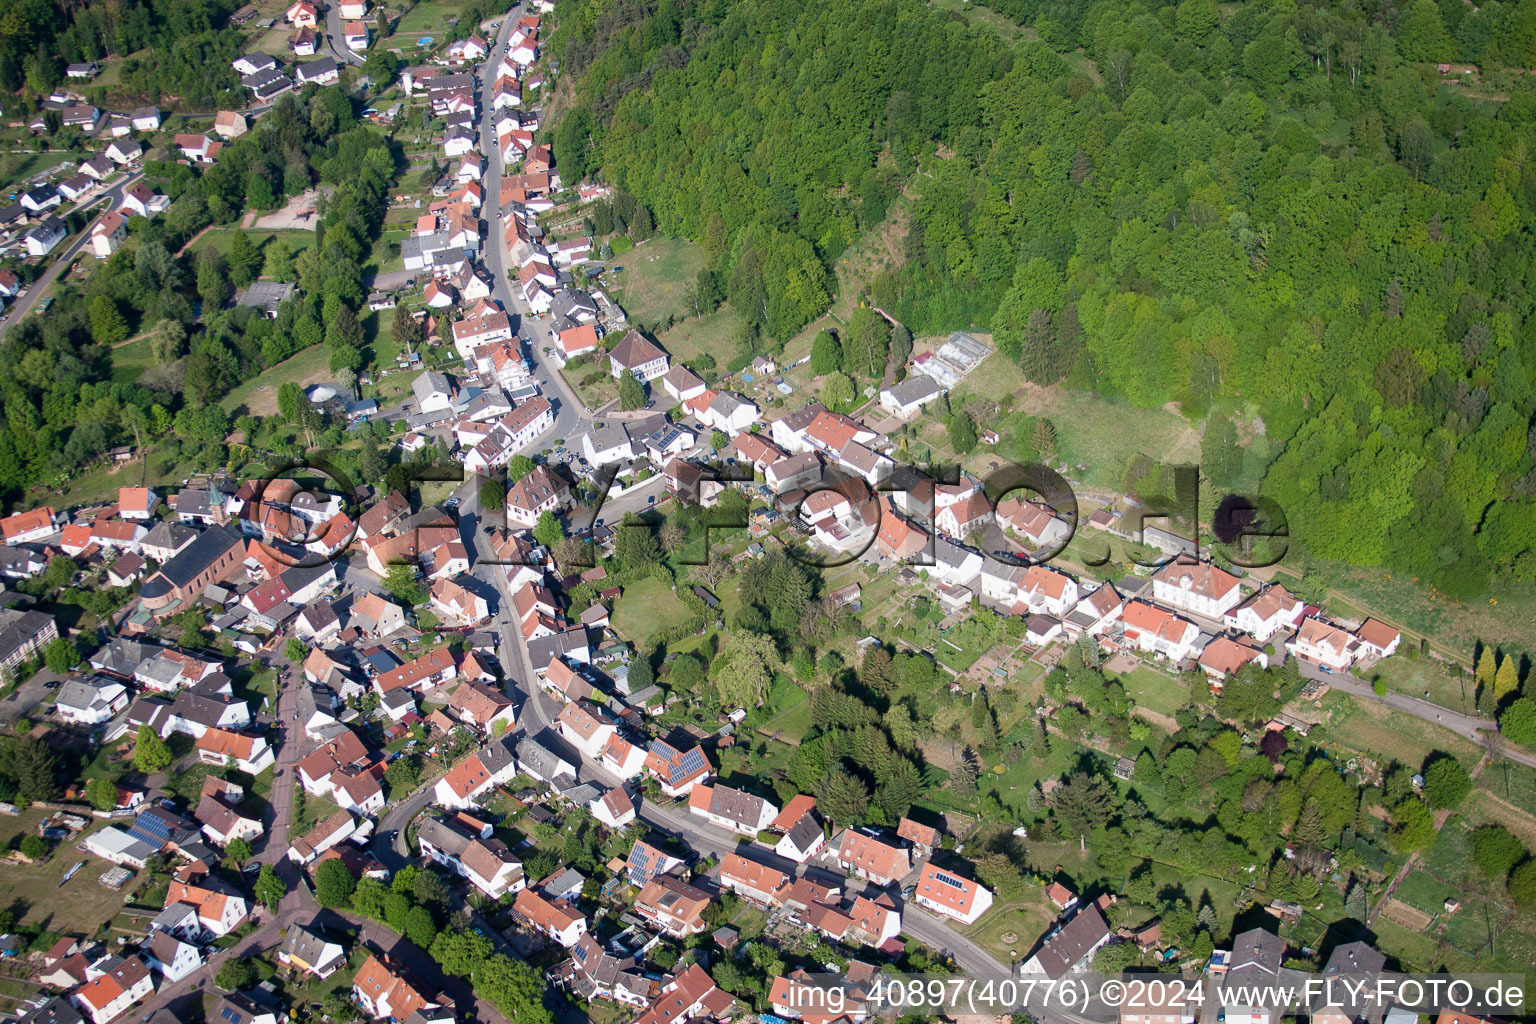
1201, 588
90, 701
584, 728
907, 398
731, 808
433, 392
46, 234
108, 233
951, 895
1266, 613
172, 957
1157, 631
1324, 644
637, 354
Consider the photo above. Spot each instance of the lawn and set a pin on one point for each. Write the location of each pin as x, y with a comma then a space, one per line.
258, 396
297, 241
130, 360
1371, 728
714, 333
1155, 690
1092, 432
429, 18
792, 723
1024, 921
647, 608
101, 484
959, 648
656, 278
1417, 675
81, 906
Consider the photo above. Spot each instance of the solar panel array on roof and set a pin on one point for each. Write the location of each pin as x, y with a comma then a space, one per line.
692, 761
232, 1015
151, 828
949, 880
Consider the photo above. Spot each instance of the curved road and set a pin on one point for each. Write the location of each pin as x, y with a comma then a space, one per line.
22, 306
1478, 730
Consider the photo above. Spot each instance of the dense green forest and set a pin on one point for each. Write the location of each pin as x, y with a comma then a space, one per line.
1273, 210
62, 407
188, 56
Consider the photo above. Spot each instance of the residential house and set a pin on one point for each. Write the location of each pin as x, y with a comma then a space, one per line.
486, 862
730, 808
615, 808
1156, 631
337, 828
1223, 657
250, 754
673, 905
677, 771
1071, 947
1270, 610
1325, 645
907, 398
1202, 588
44, 235
951, 895
1378, 639
91, 701
868, 857
308, 950
586, 728
118, 983
553, 919
483, 708
220, 907
477, 774
757, 882
384, 989
639, 355
172, 957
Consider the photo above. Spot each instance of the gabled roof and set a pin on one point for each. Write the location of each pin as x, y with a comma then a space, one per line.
635, 350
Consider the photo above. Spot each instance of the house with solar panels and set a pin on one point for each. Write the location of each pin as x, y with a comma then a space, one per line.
646, 862
677, 771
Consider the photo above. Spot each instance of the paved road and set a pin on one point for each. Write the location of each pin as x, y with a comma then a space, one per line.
22, 306
333, 40
571, 417
292, 700
1478, 730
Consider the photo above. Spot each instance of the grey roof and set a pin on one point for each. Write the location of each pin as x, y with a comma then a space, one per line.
444, 835
209, 547
564, 882
539, 758
316, 69
1258, 951
172, 536
57, 1010
266, 83
497, 756
1355, 958
265, 295
260, 61
569, 301
195, 707
947, 552
918, 387
542, 650
305, 942
804, 832
1064, 949
20, 628
429, 383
